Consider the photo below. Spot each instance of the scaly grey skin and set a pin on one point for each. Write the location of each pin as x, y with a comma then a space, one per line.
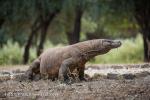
59, 62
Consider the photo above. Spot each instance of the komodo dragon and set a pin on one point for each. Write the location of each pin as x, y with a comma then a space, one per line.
58, 62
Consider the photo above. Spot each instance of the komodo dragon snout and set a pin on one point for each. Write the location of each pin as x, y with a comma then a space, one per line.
111, 43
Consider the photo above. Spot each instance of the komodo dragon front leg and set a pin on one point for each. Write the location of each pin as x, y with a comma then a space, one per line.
66, 67
81, 73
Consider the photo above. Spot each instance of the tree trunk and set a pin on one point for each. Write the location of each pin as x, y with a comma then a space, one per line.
34, 30
146, 43
27, 47
1, 22
42, 39
46, 23
142, 15
74, 37
70, 37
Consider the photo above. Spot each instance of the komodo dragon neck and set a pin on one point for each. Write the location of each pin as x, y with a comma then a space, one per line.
90, 49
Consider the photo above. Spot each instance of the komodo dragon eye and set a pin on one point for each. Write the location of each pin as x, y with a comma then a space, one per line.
106, 43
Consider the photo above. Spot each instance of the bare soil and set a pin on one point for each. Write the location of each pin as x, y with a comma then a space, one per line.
98, 87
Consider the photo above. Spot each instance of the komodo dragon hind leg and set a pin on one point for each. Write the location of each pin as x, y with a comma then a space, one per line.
33, 69
65, 70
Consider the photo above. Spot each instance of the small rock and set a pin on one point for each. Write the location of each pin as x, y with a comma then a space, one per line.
112, 76
145, 66
128, 76
98, 76
142, 74
5, 73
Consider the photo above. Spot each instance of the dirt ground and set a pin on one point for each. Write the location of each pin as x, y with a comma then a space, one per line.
96, 88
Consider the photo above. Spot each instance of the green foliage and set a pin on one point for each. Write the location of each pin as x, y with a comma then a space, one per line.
88, 26
131, 51
11, 53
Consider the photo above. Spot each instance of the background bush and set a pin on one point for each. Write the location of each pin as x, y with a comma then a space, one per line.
131, 51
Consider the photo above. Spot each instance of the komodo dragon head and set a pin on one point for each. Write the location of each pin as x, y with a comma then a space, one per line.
105, 45
101, 46
110, 44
